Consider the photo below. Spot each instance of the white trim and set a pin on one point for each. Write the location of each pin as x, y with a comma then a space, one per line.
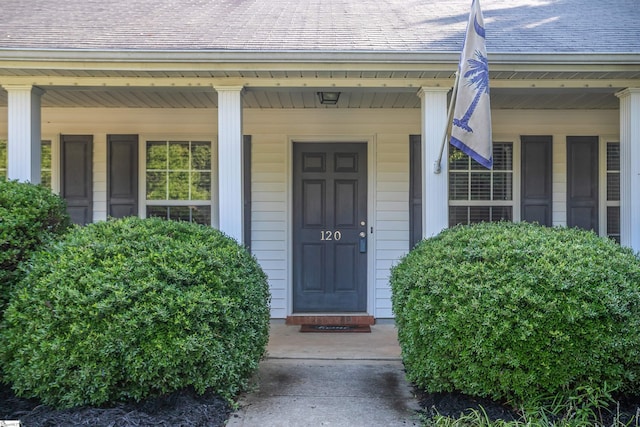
370, 141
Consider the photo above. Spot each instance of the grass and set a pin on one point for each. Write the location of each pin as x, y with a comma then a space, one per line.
540, 418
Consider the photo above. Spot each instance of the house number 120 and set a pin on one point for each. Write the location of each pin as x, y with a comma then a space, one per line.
330, 235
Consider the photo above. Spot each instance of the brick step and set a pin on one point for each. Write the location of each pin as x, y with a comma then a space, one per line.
330, 319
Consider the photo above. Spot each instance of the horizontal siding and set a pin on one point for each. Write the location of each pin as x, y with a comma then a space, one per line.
392, 214
268, 216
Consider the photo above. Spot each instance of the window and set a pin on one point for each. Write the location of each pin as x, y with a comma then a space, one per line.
613, 191
3, 158
178, 180
45, 161
478, 194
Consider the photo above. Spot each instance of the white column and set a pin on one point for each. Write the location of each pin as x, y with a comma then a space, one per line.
630, 168
230, 163
24, 132
435, 195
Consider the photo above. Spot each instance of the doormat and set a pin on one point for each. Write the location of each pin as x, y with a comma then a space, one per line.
335, 328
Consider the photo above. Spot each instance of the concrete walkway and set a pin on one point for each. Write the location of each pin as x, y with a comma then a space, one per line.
329, 379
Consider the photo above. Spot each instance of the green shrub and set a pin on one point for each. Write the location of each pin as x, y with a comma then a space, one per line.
30, 217
132, 308
519, 312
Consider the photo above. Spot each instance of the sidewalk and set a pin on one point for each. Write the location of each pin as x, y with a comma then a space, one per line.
329, 379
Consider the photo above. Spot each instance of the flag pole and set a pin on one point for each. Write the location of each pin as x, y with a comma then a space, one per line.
436, 166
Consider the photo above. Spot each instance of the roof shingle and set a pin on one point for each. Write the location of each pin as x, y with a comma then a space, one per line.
513, 26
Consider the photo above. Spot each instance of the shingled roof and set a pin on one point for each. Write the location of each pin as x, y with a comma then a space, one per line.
513, 26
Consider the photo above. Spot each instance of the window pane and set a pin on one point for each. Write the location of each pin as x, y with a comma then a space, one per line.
613, 222
458, 215
197, 214
502, 186
502, 156
613, 186
479, 214
458, 186
201, 214
45, 171
156, 185
200, 185
501, 213
613, 156
178, 155
3, 158
178, 186
480, 186
458, 160
157, 212
201, 156
157, 155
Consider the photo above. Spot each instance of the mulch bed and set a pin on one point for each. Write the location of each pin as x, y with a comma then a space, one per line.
183, 408
456, 404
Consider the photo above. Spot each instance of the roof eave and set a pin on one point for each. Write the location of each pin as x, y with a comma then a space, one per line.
294, 56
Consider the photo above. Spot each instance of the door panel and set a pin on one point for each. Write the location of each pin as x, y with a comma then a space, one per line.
536, 204
329, 208
77, 176
122, 177
415, 190
582, 182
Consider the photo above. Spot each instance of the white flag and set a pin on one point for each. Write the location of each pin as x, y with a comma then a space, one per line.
471, 130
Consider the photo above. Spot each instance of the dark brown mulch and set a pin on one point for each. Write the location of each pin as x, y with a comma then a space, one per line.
626, 409
182, 408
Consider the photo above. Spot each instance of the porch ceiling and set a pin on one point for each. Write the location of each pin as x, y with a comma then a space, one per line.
512, 87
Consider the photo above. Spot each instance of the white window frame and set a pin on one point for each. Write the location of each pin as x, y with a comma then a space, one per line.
142, 174
514, 203
602, 178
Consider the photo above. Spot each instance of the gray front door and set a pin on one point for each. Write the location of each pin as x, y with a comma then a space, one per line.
330, 227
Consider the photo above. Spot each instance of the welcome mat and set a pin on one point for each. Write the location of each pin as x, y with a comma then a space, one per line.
335, 328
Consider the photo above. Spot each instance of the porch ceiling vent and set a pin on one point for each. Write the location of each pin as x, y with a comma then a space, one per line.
328, 98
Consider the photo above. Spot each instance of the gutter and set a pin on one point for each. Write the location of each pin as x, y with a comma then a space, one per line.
292, 57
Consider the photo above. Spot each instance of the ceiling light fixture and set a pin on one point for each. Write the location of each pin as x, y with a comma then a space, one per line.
328, 98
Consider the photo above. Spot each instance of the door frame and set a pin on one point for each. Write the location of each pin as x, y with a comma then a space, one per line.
370, 142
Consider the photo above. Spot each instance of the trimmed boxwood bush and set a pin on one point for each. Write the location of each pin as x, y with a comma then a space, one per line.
131, 308
30, 217
519, 312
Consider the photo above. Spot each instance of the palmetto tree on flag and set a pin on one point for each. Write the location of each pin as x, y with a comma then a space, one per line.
478, 76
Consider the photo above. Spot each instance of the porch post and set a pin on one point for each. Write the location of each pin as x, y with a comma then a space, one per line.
230, 177
23, 151
435, 196
630, 168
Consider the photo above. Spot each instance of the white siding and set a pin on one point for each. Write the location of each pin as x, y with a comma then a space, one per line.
269, 215
392, 214
386, 131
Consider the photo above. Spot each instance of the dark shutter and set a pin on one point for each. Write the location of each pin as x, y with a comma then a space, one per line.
536, 196
582, 182
246, 147
415, 190
122, 175
77, 176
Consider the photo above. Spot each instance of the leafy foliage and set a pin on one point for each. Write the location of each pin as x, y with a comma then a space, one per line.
132, 308
30, 217
519, 312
